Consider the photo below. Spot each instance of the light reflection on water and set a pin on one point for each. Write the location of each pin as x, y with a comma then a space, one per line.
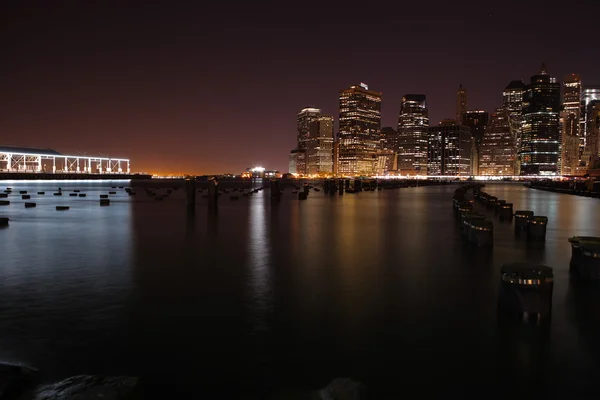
373, 285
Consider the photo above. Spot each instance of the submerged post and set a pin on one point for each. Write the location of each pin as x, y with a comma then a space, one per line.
190, 187
213, 193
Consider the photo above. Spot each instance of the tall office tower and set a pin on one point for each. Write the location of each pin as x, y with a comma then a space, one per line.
477, 120
413, 122
570, 117
449, 150
497, 156
512, 102
319, 149
540, 141
359, 133
588, 94
461, 103
592, 140
390, 137
305, 117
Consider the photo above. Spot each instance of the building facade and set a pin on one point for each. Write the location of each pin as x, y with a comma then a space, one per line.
413, 122
303, 121
477, 121
319, 150
512, 102
461, 103
449, 149
497, 154
570, 119
591, 153
540, 142
359, 131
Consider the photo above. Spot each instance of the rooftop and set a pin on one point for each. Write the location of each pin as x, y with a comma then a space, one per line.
29, 150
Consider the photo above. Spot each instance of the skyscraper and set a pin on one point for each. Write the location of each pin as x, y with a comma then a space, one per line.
359, 130
461, 103
512, 102
588, 94
497, 154
592, 141
477, 121
319, 149
540, 142
449, 150
304, 118
413, 122
570, 116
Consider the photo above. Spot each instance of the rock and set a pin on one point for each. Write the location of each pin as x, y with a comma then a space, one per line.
343, 389
14, 379
84, 387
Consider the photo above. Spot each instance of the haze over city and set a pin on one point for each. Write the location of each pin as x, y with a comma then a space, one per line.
213, 88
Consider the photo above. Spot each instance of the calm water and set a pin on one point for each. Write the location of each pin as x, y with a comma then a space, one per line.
377, 286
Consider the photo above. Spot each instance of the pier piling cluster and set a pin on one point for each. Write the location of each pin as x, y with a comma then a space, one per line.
525, 289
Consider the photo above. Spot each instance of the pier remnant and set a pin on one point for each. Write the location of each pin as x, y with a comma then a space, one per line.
526, 290
30, 205
213, 193
537, 227
275, 190
585, 257
4, 202
3, 221
190, 191
506, 212
522, 218
481, 232
25, 197
62, 208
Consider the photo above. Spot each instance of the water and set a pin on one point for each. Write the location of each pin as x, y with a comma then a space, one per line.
377, 286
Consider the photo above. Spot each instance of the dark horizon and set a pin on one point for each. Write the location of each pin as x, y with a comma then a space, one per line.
181, 88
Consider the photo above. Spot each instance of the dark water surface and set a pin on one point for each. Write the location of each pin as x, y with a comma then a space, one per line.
377, 286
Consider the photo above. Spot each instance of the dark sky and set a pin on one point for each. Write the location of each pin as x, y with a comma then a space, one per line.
185, 86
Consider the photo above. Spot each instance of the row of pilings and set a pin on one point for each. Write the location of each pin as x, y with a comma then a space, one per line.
587, 188
525, 289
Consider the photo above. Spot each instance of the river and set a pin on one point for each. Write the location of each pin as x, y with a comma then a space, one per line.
376, 286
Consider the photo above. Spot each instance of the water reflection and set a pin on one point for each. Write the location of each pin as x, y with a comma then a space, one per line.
259, 253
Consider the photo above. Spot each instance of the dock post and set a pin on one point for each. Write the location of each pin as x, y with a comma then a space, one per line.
275, 192
213, 193
341, 187
190, 187
332, 187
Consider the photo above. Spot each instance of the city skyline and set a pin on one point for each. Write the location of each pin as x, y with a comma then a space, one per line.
180, 92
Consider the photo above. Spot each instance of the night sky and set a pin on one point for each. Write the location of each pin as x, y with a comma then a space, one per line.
186, 87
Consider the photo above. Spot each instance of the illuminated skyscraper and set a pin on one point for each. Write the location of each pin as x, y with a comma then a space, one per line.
512, 102
570, 116
413, 122
461, 103
359, 131
497, 153
305, 117
592, 141
540, 142
319, 150
589, 94
449, 150
477, 121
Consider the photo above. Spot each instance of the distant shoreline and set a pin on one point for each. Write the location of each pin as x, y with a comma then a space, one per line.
28, 176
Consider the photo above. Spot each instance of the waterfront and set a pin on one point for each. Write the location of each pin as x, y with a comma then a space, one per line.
377, 286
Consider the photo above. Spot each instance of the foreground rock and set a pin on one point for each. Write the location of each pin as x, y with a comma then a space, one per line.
14, 379
84, 387
343, 389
